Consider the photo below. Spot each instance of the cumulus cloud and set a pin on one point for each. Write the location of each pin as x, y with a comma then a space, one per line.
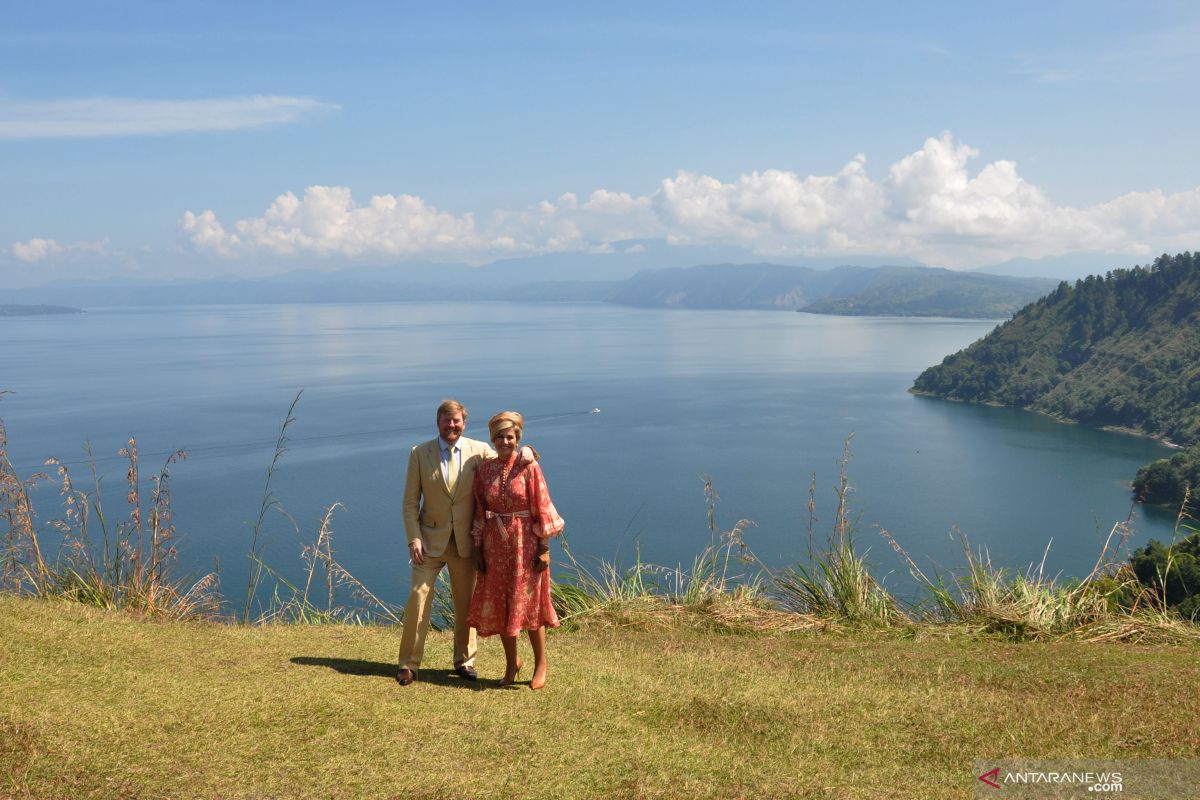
36, 249
126, 116
929, 205
326, 221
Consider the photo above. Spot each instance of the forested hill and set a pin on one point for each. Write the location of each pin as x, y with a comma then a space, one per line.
1120, 350
916, 292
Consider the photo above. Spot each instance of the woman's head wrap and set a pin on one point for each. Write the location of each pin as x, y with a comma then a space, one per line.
506, 419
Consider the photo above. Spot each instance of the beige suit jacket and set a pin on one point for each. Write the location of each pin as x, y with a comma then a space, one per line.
431, 511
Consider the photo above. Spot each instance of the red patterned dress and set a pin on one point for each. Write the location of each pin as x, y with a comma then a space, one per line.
512, 513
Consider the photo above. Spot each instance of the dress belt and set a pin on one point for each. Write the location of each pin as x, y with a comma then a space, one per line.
499, 517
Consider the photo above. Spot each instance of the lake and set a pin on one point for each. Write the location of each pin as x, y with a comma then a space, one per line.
758, 401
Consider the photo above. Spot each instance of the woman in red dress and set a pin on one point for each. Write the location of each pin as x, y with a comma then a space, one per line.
514, 520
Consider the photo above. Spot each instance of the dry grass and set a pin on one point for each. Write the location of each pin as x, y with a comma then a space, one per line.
126, 566
98, 704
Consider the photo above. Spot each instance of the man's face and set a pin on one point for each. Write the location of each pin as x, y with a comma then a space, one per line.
450, 426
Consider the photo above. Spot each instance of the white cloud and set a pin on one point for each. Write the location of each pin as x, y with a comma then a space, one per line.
603, 201
326, 221
36, 249
126, 116
929, 206
207, 233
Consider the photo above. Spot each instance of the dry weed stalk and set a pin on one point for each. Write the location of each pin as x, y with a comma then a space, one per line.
126, 573
24, 565
319, 556
267, 503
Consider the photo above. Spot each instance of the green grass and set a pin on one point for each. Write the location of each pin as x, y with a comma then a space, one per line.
97, 703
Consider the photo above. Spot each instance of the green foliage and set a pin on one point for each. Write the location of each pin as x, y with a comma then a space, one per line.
838, 585
1026, 605
1166, 481
837, 582
1121, 350
1172, 572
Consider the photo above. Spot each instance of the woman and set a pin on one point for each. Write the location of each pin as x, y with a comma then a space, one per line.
514, 520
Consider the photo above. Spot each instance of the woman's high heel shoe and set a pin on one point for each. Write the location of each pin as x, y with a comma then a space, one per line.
534, 684
506, 682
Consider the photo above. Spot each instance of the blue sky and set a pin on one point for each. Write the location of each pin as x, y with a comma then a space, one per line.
162, 139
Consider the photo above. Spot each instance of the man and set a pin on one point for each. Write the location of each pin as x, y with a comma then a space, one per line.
438, 510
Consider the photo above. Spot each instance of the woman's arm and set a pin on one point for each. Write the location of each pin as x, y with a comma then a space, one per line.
546, 521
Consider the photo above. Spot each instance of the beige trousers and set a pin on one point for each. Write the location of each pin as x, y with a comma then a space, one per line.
420, 604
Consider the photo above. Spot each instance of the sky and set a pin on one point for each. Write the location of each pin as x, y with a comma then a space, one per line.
148, 141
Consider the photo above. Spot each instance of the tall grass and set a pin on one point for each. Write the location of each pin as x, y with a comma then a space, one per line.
130, 567
1169, 573
324, 578
24, 566
836, 582
81, 556
728, 585
267, 503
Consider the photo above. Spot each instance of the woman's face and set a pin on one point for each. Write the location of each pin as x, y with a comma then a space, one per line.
505, 442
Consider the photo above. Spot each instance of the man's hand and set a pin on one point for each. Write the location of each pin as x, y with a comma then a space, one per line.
527, 455
480, 562
416, 552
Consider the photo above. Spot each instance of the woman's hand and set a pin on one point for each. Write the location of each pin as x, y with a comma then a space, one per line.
480, 562
541, 556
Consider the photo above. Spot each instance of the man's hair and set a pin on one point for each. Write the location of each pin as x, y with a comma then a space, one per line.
450, 408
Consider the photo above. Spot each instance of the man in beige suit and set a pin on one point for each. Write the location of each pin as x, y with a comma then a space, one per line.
438, 510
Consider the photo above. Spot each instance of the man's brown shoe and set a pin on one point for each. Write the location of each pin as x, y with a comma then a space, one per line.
405, 676
465, 672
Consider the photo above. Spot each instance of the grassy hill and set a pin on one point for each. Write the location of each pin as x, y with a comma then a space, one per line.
101, 704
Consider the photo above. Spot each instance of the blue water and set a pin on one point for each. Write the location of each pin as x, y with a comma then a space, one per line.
758, 401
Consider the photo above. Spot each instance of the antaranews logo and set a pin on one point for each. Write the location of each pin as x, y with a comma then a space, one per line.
1090, 780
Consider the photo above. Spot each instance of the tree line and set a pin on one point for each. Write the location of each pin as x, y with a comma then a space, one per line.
1120, 350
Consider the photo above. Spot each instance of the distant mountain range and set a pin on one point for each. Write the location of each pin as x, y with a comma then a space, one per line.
881, 290
1071, 266
877, 291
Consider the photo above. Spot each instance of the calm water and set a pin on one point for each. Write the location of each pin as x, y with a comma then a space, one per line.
756, 400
